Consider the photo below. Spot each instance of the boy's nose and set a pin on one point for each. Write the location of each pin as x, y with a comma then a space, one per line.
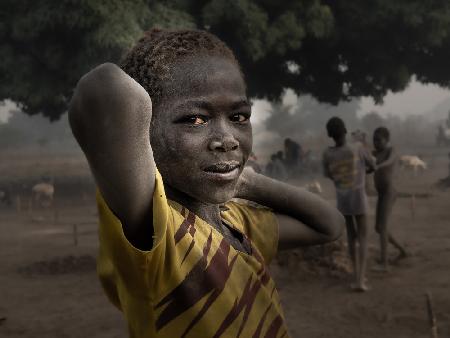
226, 143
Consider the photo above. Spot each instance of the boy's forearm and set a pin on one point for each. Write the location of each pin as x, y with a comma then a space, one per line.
298, 203
389, 161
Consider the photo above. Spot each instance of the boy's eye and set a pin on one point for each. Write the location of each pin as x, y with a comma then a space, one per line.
198, 120
240, 117
195, 120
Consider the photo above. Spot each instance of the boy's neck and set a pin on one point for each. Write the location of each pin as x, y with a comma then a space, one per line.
341, 141
208, 212
381, 150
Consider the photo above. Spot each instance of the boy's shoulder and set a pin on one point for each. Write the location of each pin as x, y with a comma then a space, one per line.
387, 151
245, 214
328, 151
335, 151
257, 222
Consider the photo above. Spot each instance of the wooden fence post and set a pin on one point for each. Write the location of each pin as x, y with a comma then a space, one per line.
75, 234
431, 317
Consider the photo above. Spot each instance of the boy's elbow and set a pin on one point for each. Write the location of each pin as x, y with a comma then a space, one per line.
78, 113
82, 106
92, 83
74, 113
336, 224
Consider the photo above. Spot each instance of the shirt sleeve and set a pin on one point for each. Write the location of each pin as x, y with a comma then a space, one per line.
259, 224
128, 262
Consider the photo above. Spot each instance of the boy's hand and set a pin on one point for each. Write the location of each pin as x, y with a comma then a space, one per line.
303, 217
370, 170
245, 182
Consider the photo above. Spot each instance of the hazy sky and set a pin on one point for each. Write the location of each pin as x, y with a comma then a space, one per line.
4, 110
416, 99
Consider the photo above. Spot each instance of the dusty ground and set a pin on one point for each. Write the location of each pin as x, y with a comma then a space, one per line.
48, 286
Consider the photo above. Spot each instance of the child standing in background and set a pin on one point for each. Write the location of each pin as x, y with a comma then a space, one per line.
386, 159
346, 164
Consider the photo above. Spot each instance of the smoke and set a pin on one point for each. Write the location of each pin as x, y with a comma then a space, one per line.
304, 120
24, 131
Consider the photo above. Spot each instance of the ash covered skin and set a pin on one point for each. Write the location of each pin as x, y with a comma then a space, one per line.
384, 183
383, 176
201, 134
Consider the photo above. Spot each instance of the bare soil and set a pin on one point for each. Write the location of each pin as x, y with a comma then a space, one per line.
49, 288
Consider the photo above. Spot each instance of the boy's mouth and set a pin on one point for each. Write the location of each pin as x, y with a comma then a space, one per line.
228, 170
223, 167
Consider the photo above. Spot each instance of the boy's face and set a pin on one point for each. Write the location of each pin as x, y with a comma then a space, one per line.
380, 142
337, 137
201, 133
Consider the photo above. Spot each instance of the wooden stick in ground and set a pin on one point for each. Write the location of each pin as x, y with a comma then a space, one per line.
413, 206
18, 204
55, 216
55, 213
30, 205
431, 316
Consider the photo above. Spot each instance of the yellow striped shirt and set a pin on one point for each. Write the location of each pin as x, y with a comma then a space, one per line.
192, 283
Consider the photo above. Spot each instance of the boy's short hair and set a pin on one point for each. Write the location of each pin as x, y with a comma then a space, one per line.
149, 61
383, 132
336, 127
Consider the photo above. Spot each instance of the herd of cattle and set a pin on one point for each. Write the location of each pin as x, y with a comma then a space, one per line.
42, 195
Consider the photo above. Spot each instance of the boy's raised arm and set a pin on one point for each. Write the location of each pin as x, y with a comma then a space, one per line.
392, 158
110, 117
369, 160
303, 217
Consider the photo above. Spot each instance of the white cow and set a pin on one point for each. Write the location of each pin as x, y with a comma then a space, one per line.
314, 187
43, 193
413, 163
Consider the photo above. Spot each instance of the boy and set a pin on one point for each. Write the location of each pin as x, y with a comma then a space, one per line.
167, 137
386, 159
346, 165
276, 167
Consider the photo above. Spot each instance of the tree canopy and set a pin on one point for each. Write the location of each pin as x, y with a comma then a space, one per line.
333, 50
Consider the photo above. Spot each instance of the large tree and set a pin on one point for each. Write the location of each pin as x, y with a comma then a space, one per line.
332, 49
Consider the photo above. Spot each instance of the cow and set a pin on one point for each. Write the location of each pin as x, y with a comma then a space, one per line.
413, 163
43, 194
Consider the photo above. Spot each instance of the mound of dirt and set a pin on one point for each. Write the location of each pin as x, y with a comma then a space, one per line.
59, 266
324, 260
